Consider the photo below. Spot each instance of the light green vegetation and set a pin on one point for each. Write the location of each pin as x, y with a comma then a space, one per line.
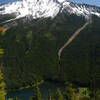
2, 86
49, 36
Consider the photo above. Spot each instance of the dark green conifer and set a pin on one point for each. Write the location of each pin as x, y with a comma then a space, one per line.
31, 98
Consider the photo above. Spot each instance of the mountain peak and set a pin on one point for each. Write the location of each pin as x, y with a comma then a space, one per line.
47, 8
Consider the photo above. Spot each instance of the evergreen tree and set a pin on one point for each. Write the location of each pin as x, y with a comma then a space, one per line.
70, 92
1, 33
2, 83
37, 95
10, 99
59, 95
31, 98
2, 86
50, 96
16, 98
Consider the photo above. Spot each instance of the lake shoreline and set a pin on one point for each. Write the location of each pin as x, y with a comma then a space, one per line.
22, 88
27, 92
32, 86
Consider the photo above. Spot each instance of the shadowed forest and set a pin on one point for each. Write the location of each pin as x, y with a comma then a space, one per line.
29, 54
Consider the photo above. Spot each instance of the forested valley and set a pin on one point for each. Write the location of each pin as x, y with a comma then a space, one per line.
29, 54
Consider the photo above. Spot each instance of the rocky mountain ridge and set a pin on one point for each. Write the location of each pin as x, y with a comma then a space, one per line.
46, 8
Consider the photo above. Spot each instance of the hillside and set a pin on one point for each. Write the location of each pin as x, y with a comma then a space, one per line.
31, 47
31, 51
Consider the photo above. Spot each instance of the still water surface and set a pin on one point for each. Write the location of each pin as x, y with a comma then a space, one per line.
44, 88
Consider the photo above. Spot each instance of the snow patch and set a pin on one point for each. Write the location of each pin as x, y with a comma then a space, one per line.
46, 8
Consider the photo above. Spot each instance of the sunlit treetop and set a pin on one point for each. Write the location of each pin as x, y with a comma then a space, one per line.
2, 31
1, 51
2, 86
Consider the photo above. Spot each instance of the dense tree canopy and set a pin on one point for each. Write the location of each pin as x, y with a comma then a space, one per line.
31, 52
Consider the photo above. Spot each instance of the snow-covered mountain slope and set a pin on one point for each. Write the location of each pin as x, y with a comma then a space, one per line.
47, 8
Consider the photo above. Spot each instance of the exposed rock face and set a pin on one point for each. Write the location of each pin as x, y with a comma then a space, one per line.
47, 8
